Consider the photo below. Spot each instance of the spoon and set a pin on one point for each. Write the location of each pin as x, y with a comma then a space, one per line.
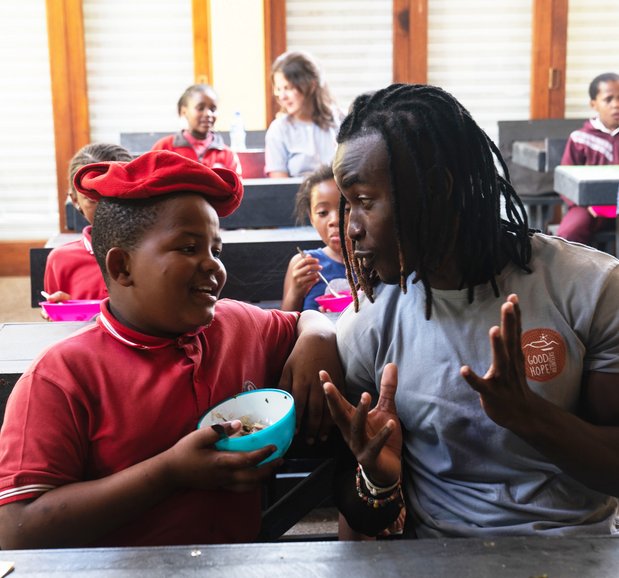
322, 277
46, 295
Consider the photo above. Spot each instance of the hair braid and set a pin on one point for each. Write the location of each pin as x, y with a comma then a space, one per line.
430, 137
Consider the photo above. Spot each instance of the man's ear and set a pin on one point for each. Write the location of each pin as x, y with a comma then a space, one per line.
118, 264
440, 182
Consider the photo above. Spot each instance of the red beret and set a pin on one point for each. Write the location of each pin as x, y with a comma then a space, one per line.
158, 173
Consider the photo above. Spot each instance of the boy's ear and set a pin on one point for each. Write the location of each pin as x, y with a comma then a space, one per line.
118, 264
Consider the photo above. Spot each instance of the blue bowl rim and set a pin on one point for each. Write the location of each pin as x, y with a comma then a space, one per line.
270, 389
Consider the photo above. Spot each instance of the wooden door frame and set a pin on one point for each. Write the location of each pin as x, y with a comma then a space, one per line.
202, 43
274, 45
410, 41
67, 59
548, 59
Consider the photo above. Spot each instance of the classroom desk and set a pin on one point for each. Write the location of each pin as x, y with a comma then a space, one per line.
539, 155
530, 154
266, 203
589, 185
255, 259
20, 343
463, 558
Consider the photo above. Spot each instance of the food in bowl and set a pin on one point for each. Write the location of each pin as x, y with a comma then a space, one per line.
267, 416
335, 304
248, 426
72, 310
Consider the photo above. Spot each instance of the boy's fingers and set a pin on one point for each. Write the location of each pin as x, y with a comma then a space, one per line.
220, 431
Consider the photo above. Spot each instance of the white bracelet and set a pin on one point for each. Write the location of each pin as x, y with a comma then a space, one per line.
373, 488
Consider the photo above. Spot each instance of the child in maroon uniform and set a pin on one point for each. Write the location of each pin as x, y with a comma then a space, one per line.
99, 444
198, 106
71, 270
596, 143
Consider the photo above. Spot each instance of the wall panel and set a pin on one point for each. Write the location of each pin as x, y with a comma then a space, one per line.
28, 194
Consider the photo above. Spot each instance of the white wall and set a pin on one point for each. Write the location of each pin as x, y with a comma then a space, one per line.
592, 48
352, 40
140, 59
480, 51
28, 197
238, 61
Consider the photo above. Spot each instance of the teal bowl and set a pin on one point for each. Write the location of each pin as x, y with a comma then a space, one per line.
270, 409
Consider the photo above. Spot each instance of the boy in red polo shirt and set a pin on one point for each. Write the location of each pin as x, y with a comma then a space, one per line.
99, 445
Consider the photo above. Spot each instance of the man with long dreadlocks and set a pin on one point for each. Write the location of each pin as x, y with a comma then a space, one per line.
509, 433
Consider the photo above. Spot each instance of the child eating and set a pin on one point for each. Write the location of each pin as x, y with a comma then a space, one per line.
71, 270
319, 199
99, 444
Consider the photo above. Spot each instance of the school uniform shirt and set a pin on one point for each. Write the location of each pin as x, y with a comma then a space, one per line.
108, 397
72, 268
464, 475
593, 144
211, 152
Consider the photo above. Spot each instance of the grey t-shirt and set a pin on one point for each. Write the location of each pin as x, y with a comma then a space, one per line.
463, 474
298, 147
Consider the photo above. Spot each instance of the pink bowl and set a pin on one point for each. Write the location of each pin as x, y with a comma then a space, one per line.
72, 310
335, 304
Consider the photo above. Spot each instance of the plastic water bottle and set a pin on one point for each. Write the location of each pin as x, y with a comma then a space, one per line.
237, 133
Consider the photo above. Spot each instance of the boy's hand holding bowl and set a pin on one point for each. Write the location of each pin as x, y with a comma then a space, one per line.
268, 418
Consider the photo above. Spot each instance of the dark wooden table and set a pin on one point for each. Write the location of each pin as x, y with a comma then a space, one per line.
255, 259
539, 155
20, 343
455, 558
266, 203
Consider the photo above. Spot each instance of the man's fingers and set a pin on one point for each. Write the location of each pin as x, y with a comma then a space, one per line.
388, 386
377, 443
339, 408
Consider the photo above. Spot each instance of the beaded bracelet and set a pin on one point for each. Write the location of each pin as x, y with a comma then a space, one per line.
373, 488
373, 502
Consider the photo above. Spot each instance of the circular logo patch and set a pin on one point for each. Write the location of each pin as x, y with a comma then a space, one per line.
544, 354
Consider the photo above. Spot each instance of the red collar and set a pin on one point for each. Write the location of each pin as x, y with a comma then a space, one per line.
136, 339
87, 239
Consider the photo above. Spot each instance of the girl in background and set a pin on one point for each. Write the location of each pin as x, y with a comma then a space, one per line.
71, 271
318, 199
302, 137
198, 106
